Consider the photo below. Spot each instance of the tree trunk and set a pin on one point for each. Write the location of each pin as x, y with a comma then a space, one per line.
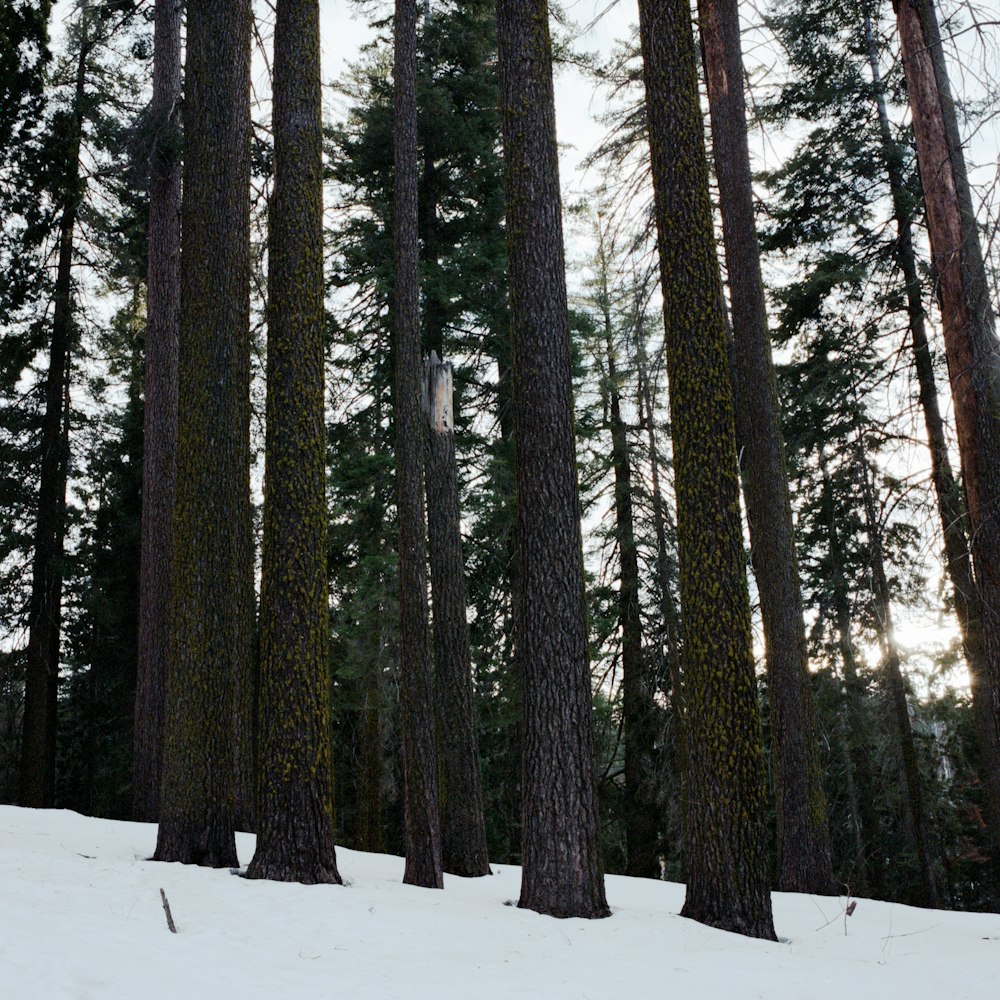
38, 740
561, 873
463, 828
642, 841
725, 840
869, 871
423, 834
896, 688
210, 644
804, 863
973, 356
295, 834
163, 303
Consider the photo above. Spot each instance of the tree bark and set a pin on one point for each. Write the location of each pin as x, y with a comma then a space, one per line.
463, 827
41, 689
163, 303
642, 841
295, 830
210, 644
725, 841
804, 863
423, 834
561, 873
971, 348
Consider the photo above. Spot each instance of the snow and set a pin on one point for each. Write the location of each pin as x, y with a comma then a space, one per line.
80, 916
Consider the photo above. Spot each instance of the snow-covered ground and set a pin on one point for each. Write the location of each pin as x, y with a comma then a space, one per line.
80, 916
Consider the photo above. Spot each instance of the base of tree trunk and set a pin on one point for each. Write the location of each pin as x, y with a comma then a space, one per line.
729, 918
211, 846
287, 870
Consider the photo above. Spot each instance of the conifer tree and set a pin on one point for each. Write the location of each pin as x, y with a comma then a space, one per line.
725, 850
804, 863
295, 812
212, 602
561, 873
969, 325
423, 833
163, 293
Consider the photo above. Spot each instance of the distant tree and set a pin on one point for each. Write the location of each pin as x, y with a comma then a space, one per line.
67, 188
295, 834
562, 873
725, 843
163, 303
213, 595
423, 833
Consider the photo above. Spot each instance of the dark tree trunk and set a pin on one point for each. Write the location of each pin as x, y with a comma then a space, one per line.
295, 832
973, 355
368, 827
725, 839
867, 876
804, 863
670, 673
561, 873
896, 689
463, 828
163, 304
210, 644
423, 834
642, 841
38, 740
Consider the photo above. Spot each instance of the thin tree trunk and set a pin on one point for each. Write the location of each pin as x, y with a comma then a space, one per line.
725, 840
211, 638
642, 841
973, 355
896, 688
865, 819
671, 673
163, 303
561, 873
463, 827
295, 831
423, 834
38, 741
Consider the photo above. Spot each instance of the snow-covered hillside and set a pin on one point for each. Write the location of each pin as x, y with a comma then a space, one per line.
80, 916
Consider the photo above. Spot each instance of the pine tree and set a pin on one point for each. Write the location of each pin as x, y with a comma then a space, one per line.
295, 840
725, 851
423, 833
212, 604
803, 838
561, 873
971, 345
160, 420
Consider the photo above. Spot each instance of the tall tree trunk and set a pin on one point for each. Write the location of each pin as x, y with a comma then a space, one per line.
295, 833
463, 828
561, 873
163, 304
804, 863
867, 876
423, 834
670, 674
642, 841
725, 839
973, 355
210, 645
896, 689
41, 690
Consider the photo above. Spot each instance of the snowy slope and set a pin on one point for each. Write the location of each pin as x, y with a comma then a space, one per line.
80, 916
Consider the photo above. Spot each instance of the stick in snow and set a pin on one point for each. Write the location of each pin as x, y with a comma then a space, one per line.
166, 910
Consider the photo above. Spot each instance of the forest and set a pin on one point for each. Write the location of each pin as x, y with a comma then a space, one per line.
380, 471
